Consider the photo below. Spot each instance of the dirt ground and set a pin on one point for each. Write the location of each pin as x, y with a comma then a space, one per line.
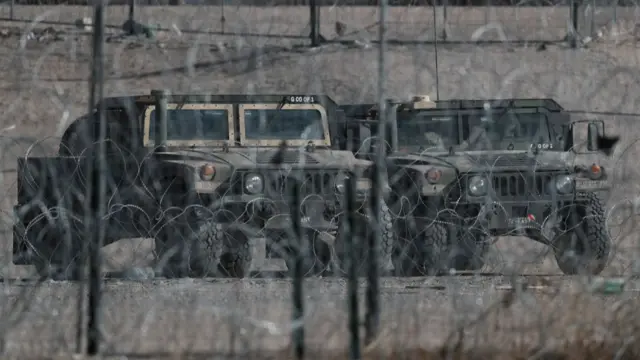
44, 86
234, 317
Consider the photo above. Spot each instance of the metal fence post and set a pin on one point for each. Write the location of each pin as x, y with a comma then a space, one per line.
487, 9
372, 320
132, 11
351, 239
313, 23
97, 237
593, 18
298, 276
574, 13
223, 19
445, 20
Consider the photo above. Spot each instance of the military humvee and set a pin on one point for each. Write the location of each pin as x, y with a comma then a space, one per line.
462, 171
195, 172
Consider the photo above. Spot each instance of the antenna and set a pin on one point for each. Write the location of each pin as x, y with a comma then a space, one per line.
435, 47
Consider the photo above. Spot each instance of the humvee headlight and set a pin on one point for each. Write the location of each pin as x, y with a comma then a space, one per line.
253, 183
340, 182
478, 185
207, 172
564, 184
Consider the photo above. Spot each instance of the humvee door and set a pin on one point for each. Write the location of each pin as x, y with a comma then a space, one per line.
268, 124
193, 124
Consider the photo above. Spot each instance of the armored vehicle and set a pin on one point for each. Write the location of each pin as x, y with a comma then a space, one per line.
202, 175
463, 171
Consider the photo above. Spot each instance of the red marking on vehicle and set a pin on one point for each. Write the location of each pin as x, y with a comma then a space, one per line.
531, 217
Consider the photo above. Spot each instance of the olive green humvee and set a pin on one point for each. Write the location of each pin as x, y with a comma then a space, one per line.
462, 171
201, 174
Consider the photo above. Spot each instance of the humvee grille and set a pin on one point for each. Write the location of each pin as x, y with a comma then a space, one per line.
278, 184
521, 185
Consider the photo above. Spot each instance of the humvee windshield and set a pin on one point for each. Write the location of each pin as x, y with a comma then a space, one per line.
426, 132
264, 123
508, 131
194, 124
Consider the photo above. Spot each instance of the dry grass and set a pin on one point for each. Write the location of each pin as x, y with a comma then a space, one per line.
252, 318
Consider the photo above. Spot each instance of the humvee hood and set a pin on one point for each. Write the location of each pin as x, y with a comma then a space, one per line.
264, 157
488, 161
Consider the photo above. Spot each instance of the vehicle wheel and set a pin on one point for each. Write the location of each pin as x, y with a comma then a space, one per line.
363, 229
435, 249
57, 244
470, 250
189, 248
215, 250
317, 257
584, 248
421, 251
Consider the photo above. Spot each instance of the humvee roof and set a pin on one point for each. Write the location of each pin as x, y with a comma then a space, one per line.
137, 106
121, 101
237, 107
550, 105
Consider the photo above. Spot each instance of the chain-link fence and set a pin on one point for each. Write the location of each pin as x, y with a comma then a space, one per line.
322, 22
200, 182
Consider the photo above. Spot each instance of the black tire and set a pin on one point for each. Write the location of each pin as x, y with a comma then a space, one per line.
363, 229
435, 248
57, 244
584, 248
316, 259
205, 248
215, 250
421, 251
470, 250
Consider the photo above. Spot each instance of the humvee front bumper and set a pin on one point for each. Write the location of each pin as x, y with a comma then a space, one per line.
507, 216
261, 214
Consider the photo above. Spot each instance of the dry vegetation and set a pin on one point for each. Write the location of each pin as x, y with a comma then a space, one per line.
44, 86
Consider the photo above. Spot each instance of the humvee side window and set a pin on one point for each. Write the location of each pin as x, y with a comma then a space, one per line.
430, 132
194, 124
261, 124
283, 124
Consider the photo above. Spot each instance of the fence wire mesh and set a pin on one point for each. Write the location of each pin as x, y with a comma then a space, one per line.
266, 186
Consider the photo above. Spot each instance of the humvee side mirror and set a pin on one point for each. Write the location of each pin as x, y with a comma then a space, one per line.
593, 134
